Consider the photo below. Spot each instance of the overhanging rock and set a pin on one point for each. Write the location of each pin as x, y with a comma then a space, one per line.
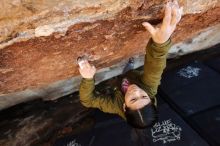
40, 40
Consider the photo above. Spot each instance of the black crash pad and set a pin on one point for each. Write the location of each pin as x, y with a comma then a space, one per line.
110, 130
185, 75
197, 92
172, 130
113, 131
208, 124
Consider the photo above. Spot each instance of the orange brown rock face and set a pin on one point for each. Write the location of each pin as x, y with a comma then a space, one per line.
38, 61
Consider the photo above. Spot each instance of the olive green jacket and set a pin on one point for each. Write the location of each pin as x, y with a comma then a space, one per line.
148, 80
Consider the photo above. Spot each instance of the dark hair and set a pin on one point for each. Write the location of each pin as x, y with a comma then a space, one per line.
143, 117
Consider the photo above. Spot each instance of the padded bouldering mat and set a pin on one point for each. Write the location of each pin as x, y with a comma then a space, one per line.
192, 88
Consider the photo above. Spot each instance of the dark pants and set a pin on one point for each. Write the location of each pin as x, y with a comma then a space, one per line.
129, 65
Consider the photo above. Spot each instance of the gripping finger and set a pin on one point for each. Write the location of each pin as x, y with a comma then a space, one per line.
167, 17
84, 64
174, 15
180, 12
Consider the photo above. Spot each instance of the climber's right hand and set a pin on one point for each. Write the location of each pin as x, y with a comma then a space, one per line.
86, 70
173, 14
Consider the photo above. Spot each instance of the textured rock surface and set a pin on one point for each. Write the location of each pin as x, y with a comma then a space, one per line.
40, 40
36, 121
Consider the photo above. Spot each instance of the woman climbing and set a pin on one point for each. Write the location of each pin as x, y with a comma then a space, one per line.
135, 98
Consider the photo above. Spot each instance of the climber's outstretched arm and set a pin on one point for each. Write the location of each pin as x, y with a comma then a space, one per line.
158, 46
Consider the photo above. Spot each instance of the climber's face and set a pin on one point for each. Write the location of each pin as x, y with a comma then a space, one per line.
136, 98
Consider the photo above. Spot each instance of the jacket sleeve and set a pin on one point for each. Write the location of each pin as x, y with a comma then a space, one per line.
89, 99
154, 64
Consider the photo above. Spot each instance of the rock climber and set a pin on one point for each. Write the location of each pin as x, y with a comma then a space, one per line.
134, 98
